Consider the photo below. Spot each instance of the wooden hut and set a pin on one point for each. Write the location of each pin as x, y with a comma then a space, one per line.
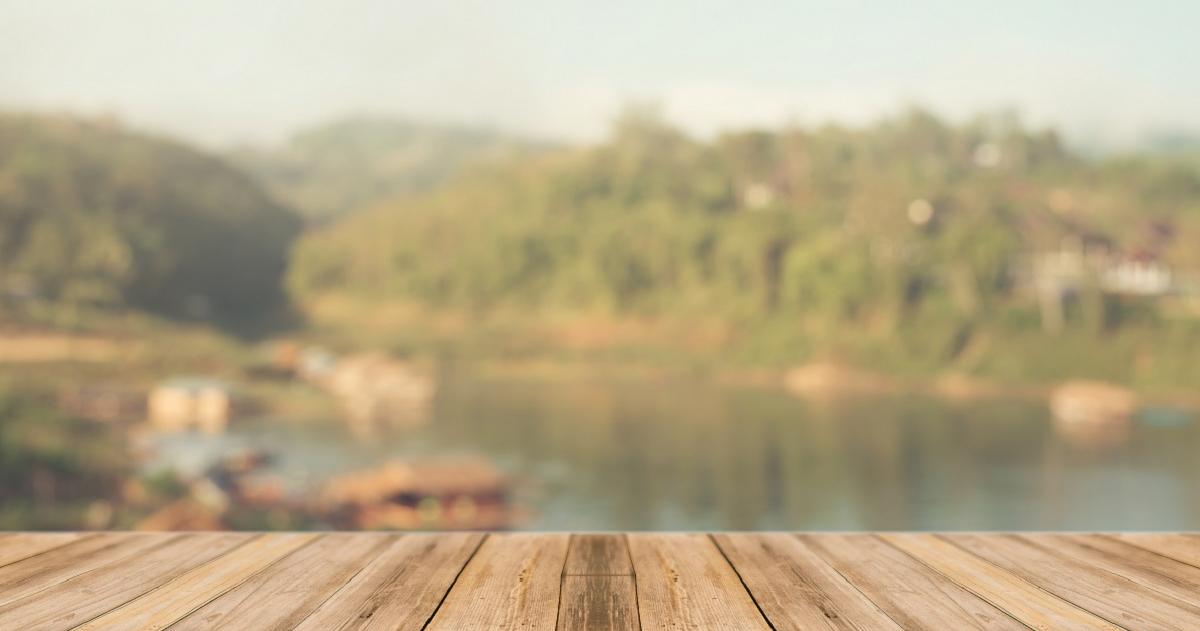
206, 404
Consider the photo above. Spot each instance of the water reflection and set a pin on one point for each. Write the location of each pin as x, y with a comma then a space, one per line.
597, 454
1099, 434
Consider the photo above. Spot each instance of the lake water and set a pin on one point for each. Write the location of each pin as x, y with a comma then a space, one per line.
677, 455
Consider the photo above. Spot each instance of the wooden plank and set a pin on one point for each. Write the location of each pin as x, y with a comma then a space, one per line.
1017, 597
34, 574
79, 599
1150, 569
293, 588
22, 545
598, 555
1105, 594
598, 589
401, 588
1181, 547
910, 593
375, 581
795, 587
683, 582
183, 594
598, 603
512, 582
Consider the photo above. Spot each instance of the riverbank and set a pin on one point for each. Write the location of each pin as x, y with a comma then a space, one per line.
1157, 362
818, 380
141, 350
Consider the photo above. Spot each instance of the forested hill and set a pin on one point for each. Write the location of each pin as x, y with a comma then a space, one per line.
93, 213
911, 234
342, 166
909, 244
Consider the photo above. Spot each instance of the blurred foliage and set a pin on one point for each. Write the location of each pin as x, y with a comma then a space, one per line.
53, 467
343, 166
804, 239
903, 245
92, 214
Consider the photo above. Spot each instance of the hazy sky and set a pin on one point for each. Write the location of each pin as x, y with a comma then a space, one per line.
221, 71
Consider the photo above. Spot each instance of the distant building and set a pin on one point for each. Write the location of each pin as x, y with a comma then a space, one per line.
1085, 260
1141, 274
202, 403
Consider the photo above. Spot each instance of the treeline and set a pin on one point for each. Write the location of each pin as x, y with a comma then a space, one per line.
913, 230
831, 220
343, 166
91, 213
905, 243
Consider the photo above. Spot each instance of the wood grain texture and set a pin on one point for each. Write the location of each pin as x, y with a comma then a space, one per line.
81, 598
1149, 569
1022, 600
684, 582
400, 588
598, 588
512, 582
162, 606
15, 546
598, 603
796, 588
1103, 593
468, 581
598, 555
36, 573
294, 587
910, 593
1181, 547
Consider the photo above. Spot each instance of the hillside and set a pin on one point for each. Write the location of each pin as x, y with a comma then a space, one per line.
342, 166
906, 245
92, 213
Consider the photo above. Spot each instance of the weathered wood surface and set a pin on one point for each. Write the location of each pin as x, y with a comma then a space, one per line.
910, 593
183, 594
399, 589
294, 587
598, 590
39, 571
1110, 596
796, 588
365, 581
1024, 601
18, 546
77, 600
683, 582
512, 582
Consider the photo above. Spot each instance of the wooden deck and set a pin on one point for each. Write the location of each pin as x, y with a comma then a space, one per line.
465, 581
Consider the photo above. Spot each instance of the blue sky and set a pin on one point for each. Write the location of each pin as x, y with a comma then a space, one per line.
222, 71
